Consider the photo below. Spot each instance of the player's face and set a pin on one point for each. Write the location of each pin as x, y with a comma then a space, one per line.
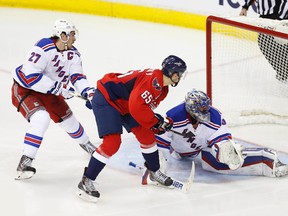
175, 78
71, 39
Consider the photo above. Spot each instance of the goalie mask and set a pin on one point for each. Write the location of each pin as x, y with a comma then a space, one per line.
173, 64
197, 104
63, 26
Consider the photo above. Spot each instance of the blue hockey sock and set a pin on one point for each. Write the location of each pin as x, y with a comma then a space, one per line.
94, 168
152, 161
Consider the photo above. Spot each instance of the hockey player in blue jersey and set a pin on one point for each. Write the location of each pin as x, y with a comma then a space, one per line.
199, 127
40, 87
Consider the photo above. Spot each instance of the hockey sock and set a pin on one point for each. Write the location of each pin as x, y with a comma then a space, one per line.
94, 168
152, 160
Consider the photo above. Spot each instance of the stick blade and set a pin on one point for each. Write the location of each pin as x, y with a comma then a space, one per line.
185, 186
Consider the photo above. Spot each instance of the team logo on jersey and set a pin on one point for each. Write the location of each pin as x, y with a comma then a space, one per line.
36, 104
156, 84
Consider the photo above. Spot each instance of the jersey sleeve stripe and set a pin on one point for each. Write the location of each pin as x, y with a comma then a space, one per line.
218, 139
29, 80
48, 47
162, 142
211, 125
180, 123
76, 77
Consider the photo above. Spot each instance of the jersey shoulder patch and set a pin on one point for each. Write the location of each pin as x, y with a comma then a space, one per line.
46, 44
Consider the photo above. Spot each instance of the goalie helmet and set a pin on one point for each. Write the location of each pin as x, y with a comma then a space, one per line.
173, 64
197, 105
63, 25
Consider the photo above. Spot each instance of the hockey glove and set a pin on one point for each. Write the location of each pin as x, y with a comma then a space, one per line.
162, 126
62, 89
88, 94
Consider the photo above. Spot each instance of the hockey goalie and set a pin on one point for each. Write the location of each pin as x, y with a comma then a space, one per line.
199, 127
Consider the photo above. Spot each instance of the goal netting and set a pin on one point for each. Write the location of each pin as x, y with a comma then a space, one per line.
247, 69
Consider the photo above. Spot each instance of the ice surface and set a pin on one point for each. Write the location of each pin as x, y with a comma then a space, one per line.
109, 44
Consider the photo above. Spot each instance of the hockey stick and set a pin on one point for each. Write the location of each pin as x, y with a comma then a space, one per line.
179, 185
74, 94
184, 134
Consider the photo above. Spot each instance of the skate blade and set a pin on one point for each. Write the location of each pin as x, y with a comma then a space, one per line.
86, 197
154, 183
148, 181
24, 175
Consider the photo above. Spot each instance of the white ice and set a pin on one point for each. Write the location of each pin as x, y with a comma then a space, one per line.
118, 45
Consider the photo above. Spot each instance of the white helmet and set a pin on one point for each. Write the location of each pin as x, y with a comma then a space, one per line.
63, 25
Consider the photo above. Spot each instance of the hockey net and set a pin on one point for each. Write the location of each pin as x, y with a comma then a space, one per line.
247, 69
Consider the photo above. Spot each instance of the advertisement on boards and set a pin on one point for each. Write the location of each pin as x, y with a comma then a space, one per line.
201, 7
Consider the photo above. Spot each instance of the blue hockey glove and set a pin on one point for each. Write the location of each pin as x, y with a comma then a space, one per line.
88, 94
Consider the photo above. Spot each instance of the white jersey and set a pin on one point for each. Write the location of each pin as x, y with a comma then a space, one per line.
192, 141
45, 65
187, 141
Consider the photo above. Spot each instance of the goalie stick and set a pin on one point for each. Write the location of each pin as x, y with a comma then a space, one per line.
179, 185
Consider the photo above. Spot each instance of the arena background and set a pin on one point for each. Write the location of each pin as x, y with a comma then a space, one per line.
187, 13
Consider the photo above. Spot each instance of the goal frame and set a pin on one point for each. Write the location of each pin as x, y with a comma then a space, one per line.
215, 19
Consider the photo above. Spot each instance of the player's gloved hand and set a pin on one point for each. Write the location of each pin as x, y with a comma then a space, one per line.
62, 89
162, 125
88, 94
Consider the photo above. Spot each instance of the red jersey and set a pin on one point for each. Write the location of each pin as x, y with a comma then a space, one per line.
137, 92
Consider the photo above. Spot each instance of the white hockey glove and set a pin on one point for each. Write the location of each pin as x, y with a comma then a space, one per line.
64, 90
230, 154
88, 94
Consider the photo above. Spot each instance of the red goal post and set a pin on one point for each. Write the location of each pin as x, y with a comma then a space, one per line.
247, 69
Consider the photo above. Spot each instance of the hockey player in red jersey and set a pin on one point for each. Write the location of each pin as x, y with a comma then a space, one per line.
128, 100
40, 88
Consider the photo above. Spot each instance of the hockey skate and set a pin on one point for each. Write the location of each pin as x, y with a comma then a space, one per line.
280, 169
24, 169
87, 190
88, 147
156, 178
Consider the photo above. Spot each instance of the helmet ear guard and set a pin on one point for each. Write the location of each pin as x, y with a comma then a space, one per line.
197, 104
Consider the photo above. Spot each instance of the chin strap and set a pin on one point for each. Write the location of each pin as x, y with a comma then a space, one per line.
173, 84
65, 43
65, 46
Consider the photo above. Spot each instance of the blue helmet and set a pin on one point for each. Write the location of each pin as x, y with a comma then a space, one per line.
197, 104
173, 64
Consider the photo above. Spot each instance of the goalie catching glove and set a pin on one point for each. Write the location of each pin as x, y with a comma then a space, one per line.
62, 89
88, 94
230, 154
162, 126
